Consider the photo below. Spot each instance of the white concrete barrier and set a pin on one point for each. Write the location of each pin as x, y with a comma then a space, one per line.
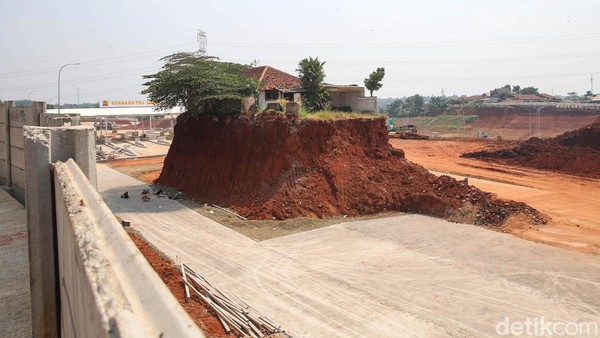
42, 147
107, 288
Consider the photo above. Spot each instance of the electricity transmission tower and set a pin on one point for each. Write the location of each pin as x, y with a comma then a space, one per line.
201, 38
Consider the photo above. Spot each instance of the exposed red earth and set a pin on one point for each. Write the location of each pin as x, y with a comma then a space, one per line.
575, 152
272, 167
171, 276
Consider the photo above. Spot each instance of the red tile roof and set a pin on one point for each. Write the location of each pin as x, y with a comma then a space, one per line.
526, 97
547, 96
272, 78
476, 97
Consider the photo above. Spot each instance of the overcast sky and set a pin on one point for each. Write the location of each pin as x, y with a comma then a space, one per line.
462, 47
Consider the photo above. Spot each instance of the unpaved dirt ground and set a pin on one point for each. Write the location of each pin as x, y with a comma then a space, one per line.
144, 169
572, 202
171, 276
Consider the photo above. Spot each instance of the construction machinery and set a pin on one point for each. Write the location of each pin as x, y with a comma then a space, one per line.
407, 131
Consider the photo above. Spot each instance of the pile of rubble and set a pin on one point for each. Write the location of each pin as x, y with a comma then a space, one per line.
575, 152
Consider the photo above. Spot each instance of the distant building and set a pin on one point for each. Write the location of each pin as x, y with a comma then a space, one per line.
483, 99
530, 98
527, 98
548, 97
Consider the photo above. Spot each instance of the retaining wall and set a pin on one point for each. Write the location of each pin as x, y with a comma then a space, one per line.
87, 277
12, 121
107, 286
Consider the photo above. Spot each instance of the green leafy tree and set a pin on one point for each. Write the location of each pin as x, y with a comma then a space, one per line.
393, 109
516, 89
201, 84
311, 74
414, 104
503, 96
373, 82
573, 96
529, 90
438, 103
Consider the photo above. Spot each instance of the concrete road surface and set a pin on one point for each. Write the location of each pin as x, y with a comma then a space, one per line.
394, 277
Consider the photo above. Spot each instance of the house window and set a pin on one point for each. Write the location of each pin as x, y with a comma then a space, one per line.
271, 95
289, 97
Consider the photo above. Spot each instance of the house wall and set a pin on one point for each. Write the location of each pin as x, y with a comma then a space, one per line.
262, 101
354, 99
366, 104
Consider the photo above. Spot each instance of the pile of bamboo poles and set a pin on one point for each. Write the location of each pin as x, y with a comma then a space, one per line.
236, 316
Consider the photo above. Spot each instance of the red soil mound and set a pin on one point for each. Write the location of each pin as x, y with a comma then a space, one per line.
575, 152
272, 167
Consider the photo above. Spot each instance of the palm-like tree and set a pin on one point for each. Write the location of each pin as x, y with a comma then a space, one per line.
311, 74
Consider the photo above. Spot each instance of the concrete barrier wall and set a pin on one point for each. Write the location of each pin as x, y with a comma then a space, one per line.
5, 178
12, 121
107, 288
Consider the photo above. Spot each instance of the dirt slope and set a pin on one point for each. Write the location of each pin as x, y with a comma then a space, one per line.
272, 167
576, 152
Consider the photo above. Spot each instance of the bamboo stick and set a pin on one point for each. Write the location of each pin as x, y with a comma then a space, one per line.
231, 212
187, 289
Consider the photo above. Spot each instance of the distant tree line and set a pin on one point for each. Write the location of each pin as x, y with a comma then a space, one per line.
29, 103
415, 105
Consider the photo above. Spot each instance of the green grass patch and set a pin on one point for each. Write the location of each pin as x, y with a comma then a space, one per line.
441, 121
335, 115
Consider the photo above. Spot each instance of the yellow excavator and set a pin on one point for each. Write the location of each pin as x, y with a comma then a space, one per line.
407, 131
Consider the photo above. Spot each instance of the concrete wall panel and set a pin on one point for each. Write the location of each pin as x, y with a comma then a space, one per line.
17, 158
18, 177
111, 288
3, 172
3, 154
3, 132
18, 194
24, 116
16, 137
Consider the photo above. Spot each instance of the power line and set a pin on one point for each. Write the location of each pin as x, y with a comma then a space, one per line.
476, 78
81, 80
451, 61
334, 45
97, 62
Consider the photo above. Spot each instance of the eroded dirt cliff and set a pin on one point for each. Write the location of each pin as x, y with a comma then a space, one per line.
271, 167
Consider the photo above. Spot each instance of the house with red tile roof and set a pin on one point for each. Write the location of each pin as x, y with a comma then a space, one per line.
528, 98
277, 85
274, 85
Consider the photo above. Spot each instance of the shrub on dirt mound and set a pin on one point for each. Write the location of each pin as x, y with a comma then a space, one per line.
575, 152
272, 167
